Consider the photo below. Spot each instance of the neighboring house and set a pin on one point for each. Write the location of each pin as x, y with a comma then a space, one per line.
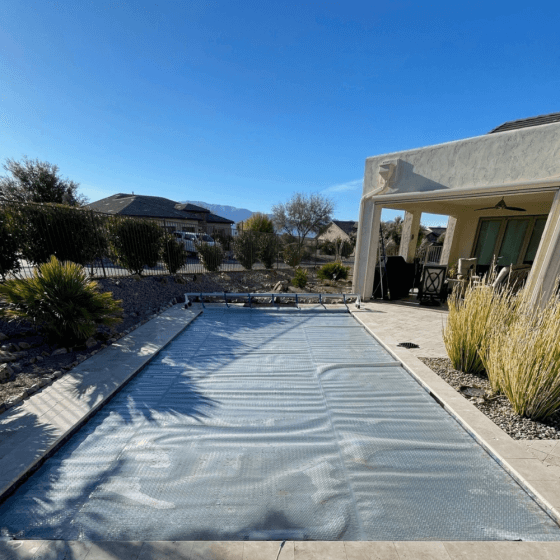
501, 192
168, 213
337, 229
434, 233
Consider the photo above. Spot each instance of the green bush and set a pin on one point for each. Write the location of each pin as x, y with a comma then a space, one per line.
211, 256
330, 248
245, 249
333, 271
300, 278
292, 254
267, 249
9, 261
68, 233
60, 300
135, 243
172, 253
224, 239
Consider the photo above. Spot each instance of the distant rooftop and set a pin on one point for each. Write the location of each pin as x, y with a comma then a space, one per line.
525, 123
347, 227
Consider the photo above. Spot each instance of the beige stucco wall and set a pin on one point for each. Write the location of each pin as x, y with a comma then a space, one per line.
333, 232
519, 155
454, 179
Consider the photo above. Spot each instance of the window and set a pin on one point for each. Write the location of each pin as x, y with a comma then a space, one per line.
511, 240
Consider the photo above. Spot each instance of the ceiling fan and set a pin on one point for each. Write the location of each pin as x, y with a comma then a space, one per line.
503, 206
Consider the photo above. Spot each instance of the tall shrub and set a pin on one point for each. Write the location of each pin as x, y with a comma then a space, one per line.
68, 233
245, 249
212, 256
60, 300
9, 261
293, 254
267, 249
135, 243
172, 253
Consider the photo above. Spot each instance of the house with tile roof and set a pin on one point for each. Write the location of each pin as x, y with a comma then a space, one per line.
338, 229
174, 216
501, 192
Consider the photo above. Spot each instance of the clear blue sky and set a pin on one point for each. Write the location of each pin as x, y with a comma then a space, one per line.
243, 103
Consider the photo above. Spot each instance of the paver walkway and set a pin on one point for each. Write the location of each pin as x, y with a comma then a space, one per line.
290, 550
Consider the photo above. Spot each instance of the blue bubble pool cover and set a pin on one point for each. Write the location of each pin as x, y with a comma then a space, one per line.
255, 424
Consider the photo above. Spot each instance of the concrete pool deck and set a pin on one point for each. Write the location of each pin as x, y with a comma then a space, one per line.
31, 430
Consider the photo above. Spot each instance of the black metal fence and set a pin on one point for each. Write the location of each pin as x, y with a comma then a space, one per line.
110, 245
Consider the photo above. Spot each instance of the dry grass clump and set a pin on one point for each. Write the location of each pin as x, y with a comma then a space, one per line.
522, 359
467, 327
516, 344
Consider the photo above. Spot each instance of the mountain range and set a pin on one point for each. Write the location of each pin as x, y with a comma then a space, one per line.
229, 212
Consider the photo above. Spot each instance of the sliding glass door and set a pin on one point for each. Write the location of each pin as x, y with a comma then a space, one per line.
512, 240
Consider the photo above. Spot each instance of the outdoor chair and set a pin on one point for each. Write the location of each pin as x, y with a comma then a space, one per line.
514, 277
432, 284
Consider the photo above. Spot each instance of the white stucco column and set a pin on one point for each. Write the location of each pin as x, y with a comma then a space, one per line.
409, 235
546, 267
366, 248
448, 241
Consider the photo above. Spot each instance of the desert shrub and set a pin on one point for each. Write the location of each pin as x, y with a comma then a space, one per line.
9, 261
267, 249
292, 254
211, 256
61, 301
330, 248
172, 253
522, 359
224, 239
333, 271
300, 278
245, 250
68, 233
135, 243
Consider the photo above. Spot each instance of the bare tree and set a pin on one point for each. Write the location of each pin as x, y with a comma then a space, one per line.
303, 214
32, 180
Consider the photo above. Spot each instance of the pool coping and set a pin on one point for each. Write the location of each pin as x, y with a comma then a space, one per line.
57, 407
524, 468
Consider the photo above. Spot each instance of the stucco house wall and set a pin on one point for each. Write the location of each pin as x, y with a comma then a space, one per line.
333, 232
457, 178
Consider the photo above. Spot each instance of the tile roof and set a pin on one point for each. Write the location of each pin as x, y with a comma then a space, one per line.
524, 123
347, 227
145, 206
214, 218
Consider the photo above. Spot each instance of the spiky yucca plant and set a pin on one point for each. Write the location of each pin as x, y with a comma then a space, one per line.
60, 300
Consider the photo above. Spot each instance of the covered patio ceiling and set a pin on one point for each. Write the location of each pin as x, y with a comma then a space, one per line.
534, 203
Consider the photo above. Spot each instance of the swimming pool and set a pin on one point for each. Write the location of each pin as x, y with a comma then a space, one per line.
256, 424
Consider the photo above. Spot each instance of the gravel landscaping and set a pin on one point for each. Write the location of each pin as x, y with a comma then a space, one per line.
496, 407
28, 363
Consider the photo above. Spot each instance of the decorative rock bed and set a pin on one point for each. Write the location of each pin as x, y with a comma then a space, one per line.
496, 407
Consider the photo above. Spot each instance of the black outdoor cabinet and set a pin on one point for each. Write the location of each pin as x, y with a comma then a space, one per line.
397, 279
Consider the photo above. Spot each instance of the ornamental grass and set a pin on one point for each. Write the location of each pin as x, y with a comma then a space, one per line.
467, 327
522, 359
